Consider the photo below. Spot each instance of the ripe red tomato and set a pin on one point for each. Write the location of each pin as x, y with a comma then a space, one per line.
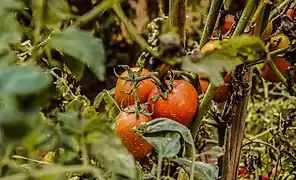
267, 73
181, 104
222, 92
228, 22
143, 90
279, 42
264, 177
135, 144
242, 171
291, 13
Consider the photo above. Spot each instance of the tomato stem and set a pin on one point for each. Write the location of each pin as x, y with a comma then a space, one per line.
245, 17
96, 11
211, 21
178, 17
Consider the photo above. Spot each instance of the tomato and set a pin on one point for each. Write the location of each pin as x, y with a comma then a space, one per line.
291, 13
143, 90
135, 144
267, 31
242, 171
264, 177
267, 73
228, 22
278, 42
181, 104
222, 92
210, 46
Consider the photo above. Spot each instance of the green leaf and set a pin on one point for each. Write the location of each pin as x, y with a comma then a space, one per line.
55, 12
233, 52
202, 171
164, 125
82, 46
23, 80
7, 56
167, 144
10, 31
107, 148
8, 6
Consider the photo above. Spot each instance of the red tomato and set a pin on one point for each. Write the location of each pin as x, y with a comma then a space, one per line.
181, 104
267, 73
124, 129
229, 21
242, 171
143, 90
291, 13
264, 177
222, 92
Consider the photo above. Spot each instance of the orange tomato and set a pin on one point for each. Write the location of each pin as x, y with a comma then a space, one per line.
291, 13
268, 75
222, 92
181, 104
267, 31
228, 22
143, 90
135, 144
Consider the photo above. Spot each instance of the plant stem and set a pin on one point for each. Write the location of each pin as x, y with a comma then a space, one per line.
278, 9
221, 138
54, 170
178, 17
211, 21
203, 109
277, 52
159, 164
277, 72
245, 17
96, 11
132, 30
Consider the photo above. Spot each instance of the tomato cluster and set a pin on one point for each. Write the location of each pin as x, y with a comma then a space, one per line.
180, 105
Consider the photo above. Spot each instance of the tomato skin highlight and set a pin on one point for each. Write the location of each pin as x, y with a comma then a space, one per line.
122, 86
268, 75
181, 105
222, 92
135, 144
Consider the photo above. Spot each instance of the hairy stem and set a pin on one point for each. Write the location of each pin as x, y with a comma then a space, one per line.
178, 17
245, 17
211, 21
203, 109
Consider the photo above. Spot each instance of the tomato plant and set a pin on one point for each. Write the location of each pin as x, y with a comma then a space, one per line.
180, 105
66, 114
